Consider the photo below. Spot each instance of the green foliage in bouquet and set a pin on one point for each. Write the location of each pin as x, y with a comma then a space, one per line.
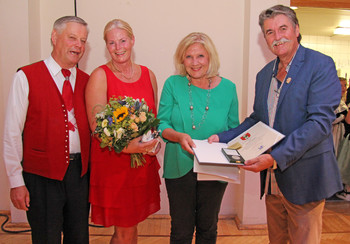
120, 121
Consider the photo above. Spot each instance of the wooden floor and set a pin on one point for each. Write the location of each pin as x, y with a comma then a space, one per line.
155, 230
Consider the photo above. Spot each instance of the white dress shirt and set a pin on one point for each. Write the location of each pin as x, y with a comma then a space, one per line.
16, 113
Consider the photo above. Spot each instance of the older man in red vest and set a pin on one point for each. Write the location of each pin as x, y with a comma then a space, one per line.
47, 139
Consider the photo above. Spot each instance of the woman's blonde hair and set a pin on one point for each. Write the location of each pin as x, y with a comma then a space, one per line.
197, 37
118, 23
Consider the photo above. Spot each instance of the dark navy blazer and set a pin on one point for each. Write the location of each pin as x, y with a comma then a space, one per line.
307, 167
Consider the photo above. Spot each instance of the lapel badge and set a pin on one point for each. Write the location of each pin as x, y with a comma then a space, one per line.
289, 80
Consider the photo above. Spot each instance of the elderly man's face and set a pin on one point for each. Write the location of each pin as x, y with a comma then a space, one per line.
69, 45
281, 36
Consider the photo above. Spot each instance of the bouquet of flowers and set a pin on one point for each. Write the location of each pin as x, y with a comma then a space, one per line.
122, 120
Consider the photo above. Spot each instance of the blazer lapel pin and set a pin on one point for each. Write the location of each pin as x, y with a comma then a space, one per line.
289, 80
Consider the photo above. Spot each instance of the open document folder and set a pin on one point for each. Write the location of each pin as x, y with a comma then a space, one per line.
214, 172
210, 160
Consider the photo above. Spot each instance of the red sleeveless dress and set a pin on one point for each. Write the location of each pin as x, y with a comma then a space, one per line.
121, 195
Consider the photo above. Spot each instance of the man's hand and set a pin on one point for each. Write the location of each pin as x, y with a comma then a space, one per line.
259, 163
20, 197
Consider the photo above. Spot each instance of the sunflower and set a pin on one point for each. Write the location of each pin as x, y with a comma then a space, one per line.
120, 113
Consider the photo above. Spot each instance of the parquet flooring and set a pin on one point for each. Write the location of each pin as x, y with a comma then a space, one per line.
155, 230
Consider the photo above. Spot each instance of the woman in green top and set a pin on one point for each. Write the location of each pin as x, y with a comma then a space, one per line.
196, 104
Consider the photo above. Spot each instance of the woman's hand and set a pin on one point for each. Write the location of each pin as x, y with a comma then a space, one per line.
213, 138
95, 135
137, 146
186, 142
156, 150
182, 138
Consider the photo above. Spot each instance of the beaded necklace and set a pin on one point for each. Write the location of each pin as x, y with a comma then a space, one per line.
204, 116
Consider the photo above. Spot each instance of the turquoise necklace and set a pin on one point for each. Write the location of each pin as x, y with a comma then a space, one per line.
204, 116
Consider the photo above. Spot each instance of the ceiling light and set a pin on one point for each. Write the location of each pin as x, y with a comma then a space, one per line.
294, 8
342, 31
344, 23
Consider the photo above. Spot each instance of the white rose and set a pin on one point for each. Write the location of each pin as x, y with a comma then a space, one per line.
101, 115
105, 130
120, 132
104, 123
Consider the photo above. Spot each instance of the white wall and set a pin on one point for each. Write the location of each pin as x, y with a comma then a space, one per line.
158, 27
14, 46
336, 47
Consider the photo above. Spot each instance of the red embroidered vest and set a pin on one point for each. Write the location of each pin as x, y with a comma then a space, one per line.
45, 137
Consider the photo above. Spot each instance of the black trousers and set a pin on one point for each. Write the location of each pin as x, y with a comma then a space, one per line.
194, 205
58, 207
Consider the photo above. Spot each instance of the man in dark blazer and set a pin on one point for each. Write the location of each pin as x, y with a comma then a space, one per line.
295, 94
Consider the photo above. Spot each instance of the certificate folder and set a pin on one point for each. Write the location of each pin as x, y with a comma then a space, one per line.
210, 154
250, 144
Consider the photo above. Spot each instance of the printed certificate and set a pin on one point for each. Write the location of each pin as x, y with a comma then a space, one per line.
250, 144
211, 162
255, 141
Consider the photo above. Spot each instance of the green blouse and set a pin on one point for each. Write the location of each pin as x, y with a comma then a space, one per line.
174, 112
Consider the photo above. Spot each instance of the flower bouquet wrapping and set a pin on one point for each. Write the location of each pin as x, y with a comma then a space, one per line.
120, 121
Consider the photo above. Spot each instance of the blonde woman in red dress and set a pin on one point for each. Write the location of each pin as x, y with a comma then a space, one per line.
122, 196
